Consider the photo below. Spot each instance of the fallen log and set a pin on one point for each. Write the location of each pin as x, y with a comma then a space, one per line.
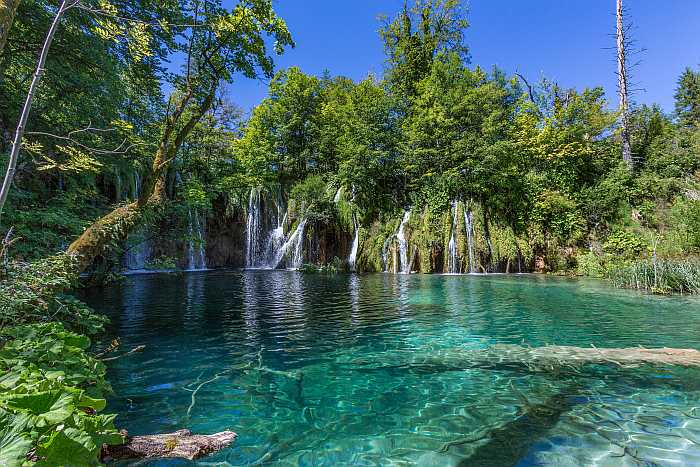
556, 355
180, 444
507, 357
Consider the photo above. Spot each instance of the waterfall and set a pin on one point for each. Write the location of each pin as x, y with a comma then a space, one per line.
338, 194
265, 239
137, 185
452, 258
292, 249
352, 259
196, 256
138, 251
403, 246
274, 242
385, 252
469, 228
253, 230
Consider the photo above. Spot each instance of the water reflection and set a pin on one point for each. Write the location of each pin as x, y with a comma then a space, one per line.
340, 370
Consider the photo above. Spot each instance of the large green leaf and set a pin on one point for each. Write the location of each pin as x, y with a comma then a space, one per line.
68, 447
51, 406
15, 442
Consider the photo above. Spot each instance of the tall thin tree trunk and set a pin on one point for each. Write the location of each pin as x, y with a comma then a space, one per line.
19, 133
8, 8
622, 80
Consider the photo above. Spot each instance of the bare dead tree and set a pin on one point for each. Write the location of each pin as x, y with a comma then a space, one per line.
622, 83
38, 72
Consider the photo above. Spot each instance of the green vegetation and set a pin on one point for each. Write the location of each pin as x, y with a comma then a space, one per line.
51, 388
51, 394
536, 171
659, 276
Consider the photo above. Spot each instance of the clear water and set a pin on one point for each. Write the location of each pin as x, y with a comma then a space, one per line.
340, 370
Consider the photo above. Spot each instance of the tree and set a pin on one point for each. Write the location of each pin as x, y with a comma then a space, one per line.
21, 125
417, 36
8, 8
622, 82
688, 98
223, 43
281, 136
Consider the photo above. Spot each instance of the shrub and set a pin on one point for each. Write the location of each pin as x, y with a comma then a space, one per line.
36, 292
624, 243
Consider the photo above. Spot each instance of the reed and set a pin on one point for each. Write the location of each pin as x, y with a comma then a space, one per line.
662, 276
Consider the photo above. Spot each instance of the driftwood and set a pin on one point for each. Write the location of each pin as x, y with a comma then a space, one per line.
181, 444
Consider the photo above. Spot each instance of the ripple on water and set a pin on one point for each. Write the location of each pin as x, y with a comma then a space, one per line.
331, 370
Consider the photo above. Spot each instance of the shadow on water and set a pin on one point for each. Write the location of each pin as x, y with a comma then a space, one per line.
509, 443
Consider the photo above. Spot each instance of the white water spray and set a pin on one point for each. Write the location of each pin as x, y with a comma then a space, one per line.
293, 249
253, 230
469, 228
403, 245
352, 259
452, 258
196, 256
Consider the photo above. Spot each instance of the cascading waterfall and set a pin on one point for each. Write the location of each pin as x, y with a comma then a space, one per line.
138, 250
403, 245
196, 256
137, 185
253, 232
265, 239
352, 259
293, 249
274, 242
469, 228
452, 259
338, 194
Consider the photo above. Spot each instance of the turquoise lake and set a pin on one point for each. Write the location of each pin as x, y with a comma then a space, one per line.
340, 369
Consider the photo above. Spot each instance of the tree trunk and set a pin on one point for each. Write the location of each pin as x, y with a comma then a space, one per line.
115, 226
19, 133
622, 80
180, 444
8, 8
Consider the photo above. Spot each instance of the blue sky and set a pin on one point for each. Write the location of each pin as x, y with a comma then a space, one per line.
565, 40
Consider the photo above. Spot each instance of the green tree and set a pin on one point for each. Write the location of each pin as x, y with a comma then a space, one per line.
688, 97
417, 36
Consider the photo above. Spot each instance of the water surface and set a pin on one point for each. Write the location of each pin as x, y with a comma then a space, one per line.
338, 370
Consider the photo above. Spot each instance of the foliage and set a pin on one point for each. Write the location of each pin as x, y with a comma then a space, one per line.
51, 393
336, 266
662, 276
625, 244
688, 97
161, 263
37, 292
312, 200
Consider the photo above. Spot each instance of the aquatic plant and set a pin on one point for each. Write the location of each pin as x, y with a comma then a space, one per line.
658, 276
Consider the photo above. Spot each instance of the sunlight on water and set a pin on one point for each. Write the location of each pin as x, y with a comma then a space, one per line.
339, 370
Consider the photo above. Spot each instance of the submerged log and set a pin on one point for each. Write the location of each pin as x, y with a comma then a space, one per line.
507, 357
557, 355
180, 444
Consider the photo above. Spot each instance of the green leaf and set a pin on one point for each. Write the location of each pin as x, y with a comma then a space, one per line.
14, 446
94, 403
68, 447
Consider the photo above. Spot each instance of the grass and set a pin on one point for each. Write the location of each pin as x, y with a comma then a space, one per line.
664, 276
